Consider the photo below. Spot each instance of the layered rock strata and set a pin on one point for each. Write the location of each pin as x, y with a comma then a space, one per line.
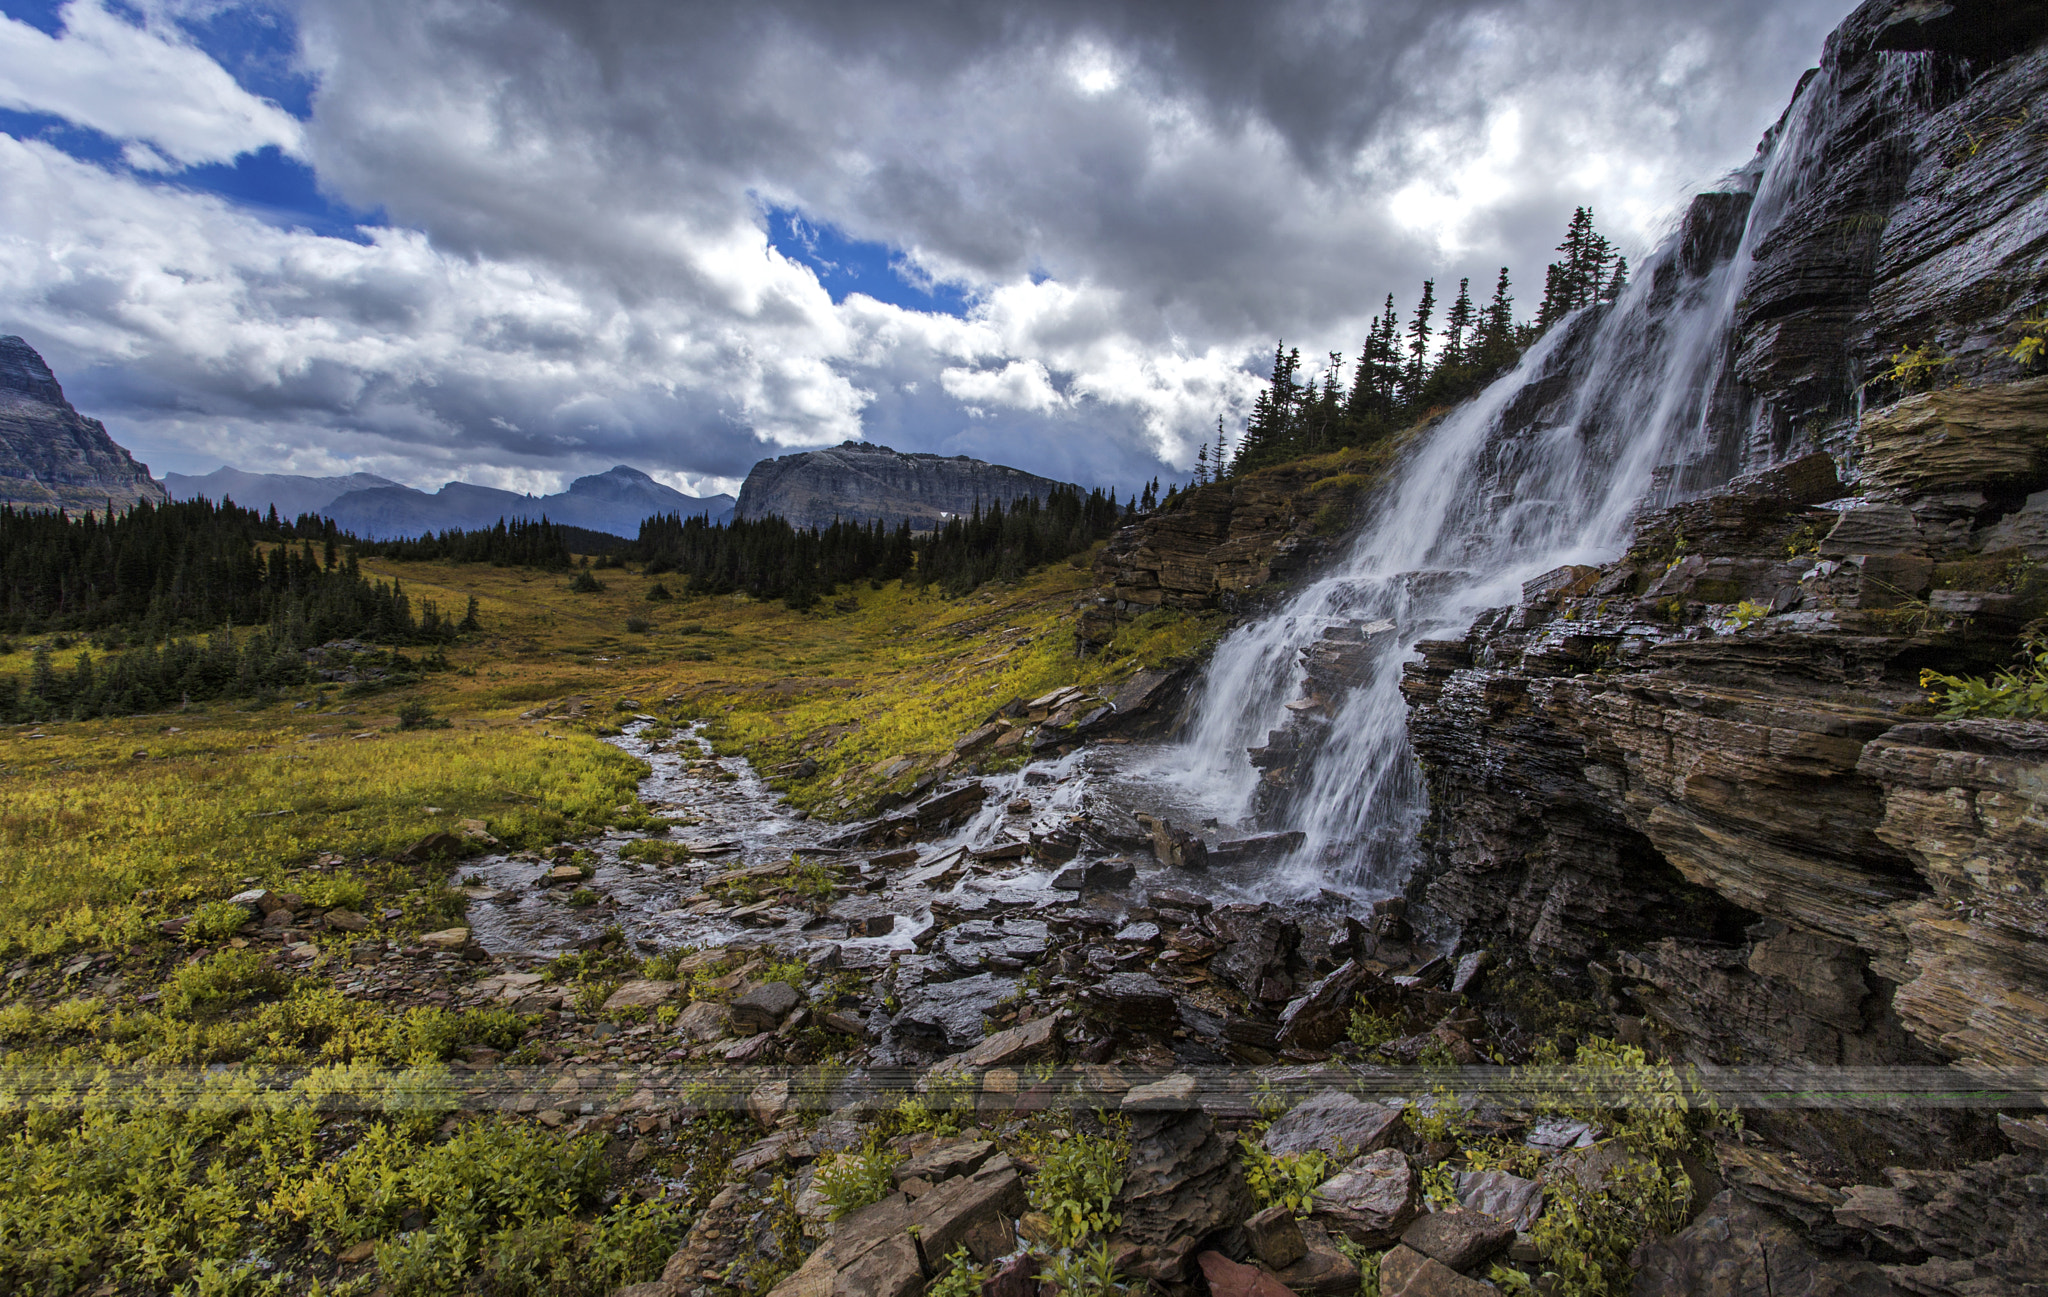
53, 457
857, 481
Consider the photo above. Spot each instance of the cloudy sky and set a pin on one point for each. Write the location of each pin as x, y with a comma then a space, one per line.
512, 241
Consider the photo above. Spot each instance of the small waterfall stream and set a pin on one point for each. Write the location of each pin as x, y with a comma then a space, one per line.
1546, 467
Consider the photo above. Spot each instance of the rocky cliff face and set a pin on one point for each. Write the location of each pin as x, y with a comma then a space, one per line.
51, 456
859, 482
1700, 777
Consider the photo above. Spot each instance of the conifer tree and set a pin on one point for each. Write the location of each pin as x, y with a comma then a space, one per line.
1419, 334
1617, 283
1457, 322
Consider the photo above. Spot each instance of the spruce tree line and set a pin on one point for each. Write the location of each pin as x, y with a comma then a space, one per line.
144, 578
1406, 370
769, 558
549, 546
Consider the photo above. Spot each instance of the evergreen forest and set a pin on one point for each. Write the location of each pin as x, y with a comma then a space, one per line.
1404, 371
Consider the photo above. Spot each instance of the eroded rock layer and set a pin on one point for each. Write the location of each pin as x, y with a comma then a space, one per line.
53, 457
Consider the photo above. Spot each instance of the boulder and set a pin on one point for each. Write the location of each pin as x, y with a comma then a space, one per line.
1373, 1201
764, 1007
446, 939
1319, 1019
640, 994
1182, 1183
1340, 1125
346, 920
767, 1102
1738, 1249
935, 1165
974, 1210
1323, 1270
1460, 1239
1029, 1042
703, 1020
1175, 1093
1505, 1197
1405, 1272
1095, 876
1256, 949
1227, 1278
947, 1016
1275, 1238
1133, 1001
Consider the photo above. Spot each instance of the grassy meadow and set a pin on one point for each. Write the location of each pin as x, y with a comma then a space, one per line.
108, 826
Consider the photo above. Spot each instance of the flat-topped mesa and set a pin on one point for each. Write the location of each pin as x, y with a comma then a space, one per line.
858, 481
53, 457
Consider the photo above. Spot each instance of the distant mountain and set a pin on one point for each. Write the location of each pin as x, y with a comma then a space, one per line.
614, 502
53, 457
861, 482
289, 493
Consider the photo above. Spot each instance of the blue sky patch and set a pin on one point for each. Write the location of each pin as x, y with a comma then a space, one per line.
845, 265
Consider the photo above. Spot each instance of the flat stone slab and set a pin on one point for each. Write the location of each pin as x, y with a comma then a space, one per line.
1340, 1125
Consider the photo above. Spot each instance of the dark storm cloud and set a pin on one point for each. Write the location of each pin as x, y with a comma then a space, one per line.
592, 281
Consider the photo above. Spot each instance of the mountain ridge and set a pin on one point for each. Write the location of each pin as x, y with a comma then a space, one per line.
53, 457
614, 502
858, 481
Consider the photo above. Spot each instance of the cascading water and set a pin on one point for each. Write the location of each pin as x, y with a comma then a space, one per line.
1546, 467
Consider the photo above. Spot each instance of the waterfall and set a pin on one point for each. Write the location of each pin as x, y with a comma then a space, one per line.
1546, 467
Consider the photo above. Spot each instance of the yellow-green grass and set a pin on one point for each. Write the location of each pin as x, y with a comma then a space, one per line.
96, 841
90, 825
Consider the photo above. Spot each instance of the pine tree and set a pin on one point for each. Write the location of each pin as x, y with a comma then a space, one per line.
1202, 464
1456, 323
1218, 458
1419, 334
1497, 327
1617, 283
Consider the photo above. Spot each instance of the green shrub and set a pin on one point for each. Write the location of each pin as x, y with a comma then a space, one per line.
850, 1181
219, 982
1077, 1184
216, 921
2016, 693
1369, 1029
1284, 1180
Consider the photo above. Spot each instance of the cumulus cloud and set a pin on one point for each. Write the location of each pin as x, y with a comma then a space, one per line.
1137, 197
141, 83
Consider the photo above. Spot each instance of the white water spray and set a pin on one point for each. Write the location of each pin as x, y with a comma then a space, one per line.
1546, 467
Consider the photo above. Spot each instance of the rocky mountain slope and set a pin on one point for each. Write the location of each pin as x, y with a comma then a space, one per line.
291, 494
614, 501
53, 457
856, 481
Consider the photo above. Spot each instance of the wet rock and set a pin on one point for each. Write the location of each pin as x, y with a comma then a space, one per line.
1181, 1183
1035, 1041
1458, 1238
1372, 1201
947, 1016
1257, 945
1008, 945
1404, 1272
1274, 1237
1737, 1249
1095, 876
1340, 1125
1172, 847
1133, 1001
1262, 847
764, 1007
1320, 1018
